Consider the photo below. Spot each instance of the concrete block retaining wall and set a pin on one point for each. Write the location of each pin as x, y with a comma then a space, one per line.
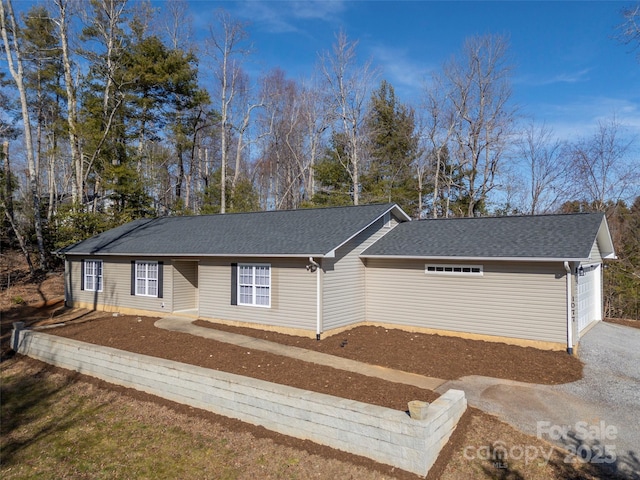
382, 434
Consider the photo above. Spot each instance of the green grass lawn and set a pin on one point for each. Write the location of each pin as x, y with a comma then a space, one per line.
55, 428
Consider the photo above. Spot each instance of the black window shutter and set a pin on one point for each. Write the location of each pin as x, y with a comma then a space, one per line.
82, 275
160, 278
234, 284
133, 277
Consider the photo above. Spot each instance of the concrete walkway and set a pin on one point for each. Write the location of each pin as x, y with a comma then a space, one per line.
185, 325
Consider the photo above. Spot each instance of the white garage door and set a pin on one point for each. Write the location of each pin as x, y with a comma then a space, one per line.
589, 296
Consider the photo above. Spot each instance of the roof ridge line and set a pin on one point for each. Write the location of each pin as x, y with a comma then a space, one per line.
514, 216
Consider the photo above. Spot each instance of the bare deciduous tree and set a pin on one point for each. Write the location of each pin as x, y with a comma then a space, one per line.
244, 114
13, 50
292, 126
439, 122
480, 92
178, 25
315, 117
62, 21
349, 85
544, 165
603, 171
226, 49
6, 204
629, 29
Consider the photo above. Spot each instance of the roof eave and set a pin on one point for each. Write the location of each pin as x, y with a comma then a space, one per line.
605, 242
472, 258
191, 255
400, 212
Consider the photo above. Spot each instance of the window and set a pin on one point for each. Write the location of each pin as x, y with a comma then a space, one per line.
92, 275
254, 285
473, 270
146, 279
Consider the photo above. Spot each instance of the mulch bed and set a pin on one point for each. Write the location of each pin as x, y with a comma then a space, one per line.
139, 335
433, 355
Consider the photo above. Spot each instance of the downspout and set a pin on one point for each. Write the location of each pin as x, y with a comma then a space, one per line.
569, 324
318, 298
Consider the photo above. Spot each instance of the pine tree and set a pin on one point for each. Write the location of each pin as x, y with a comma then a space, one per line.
393, 148
334, 182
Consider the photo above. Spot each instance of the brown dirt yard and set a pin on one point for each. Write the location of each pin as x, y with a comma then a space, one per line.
432, 355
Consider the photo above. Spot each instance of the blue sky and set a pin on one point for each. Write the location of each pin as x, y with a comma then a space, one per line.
569, 71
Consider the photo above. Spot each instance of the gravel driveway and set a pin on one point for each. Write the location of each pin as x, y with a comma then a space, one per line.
597, 417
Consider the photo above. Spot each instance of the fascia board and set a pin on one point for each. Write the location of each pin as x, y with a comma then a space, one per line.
485, 259
605, 242
191, 255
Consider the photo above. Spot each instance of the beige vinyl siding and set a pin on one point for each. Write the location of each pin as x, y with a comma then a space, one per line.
116, 290
518, 300
293, 293
594, 255
185, 285
344, 279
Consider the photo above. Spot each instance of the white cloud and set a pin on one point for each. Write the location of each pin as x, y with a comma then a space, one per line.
285, 16
565, 77
581, 117
326, 10
407, 75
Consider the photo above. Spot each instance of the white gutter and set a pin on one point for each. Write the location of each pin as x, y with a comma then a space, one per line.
194, 255
318, 298
569, 323
467, 258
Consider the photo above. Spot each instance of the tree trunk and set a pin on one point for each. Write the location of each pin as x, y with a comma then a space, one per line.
7, 205
72, 107
8, 190
52, 183
20, 238
223, 172
180, 178
16, 69
436, 185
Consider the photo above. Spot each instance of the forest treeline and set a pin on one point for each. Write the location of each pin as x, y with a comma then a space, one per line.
112, 111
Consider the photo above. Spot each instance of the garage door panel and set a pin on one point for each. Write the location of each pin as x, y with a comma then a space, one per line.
589, 292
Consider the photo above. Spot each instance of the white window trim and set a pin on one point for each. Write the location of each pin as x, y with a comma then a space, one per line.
146, 278
95, 276
253, 284
451, 269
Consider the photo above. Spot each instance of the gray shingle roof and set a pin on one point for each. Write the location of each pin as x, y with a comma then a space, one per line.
274, 233
544, 236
